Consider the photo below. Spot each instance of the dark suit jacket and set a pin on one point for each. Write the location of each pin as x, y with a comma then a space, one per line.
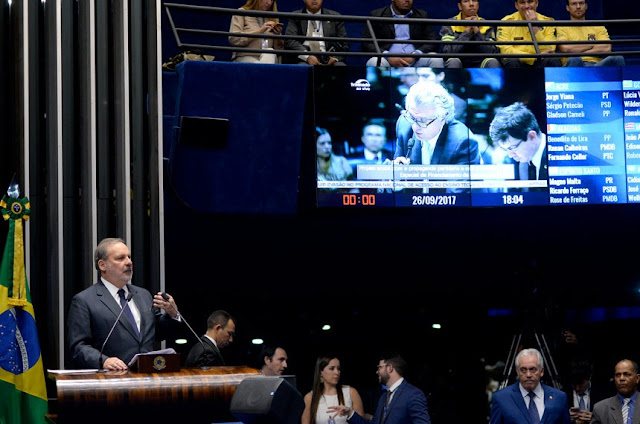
454, 147
543, 173
384, 30
609, 411
408, 406
508, 407
329, 29
204, 354
358, 158
93, 312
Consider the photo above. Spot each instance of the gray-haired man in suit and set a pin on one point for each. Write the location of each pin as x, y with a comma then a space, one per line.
93, 313
613, 409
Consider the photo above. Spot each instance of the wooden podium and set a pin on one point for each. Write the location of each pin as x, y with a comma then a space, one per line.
190, 395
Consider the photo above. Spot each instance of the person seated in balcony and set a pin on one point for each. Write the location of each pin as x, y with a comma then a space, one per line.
450, 34
316, 28
401, 9
526, 11
255, 25
578, 10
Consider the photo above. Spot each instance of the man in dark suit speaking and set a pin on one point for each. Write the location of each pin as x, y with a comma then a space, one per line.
435, 137
402, 403
529, 400
93, 313
438, 138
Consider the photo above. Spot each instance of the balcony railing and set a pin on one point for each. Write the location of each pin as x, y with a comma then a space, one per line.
181, 28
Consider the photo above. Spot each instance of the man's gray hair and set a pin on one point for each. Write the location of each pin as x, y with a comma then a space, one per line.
103, 248
529, 352
429, 93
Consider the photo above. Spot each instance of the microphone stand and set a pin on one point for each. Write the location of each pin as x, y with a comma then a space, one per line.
100, 369
204, 347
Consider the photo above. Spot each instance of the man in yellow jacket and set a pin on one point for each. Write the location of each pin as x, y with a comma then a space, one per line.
527, 12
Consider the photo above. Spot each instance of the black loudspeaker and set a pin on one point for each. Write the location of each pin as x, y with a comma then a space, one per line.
267, 400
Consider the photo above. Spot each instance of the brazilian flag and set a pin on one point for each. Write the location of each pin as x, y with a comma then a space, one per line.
23, 394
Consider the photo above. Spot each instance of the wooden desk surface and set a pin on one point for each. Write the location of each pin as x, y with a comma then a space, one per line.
202, 395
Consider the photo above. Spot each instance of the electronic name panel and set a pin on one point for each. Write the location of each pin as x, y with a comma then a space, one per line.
585, 136
631, 112
428, 138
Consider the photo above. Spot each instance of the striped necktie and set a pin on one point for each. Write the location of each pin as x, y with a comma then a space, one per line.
625, 410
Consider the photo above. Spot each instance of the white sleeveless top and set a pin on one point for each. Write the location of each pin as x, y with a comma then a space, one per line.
332, 400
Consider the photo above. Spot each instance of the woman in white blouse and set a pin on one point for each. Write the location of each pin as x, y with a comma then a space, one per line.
328, 391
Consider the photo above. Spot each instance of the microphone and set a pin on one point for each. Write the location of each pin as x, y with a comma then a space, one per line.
111, 331
403, 132
204, 348
410, 144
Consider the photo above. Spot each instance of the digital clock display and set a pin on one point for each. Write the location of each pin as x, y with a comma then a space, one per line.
359, 199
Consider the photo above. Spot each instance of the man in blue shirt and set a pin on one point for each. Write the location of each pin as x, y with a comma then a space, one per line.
401, 9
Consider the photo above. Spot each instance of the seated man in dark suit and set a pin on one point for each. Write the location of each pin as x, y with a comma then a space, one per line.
221, 329
402, 9
528, 400
93, 313
316, 28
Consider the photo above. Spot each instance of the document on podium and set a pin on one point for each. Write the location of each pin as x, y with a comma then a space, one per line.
155, 352
71, 372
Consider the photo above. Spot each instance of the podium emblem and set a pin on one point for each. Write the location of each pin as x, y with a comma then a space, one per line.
159, 363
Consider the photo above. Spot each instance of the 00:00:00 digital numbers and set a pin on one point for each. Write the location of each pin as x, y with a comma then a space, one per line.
359, 199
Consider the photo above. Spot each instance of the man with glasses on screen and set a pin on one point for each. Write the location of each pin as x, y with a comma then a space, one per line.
515, 130
438, 138
221, 329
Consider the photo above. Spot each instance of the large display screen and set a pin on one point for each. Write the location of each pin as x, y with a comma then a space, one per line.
422, 137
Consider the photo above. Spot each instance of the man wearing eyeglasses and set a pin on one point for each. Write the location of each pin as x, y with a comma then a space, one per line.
528, 400
515, 130
221, 329
438, 138
577, 10
401, 403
